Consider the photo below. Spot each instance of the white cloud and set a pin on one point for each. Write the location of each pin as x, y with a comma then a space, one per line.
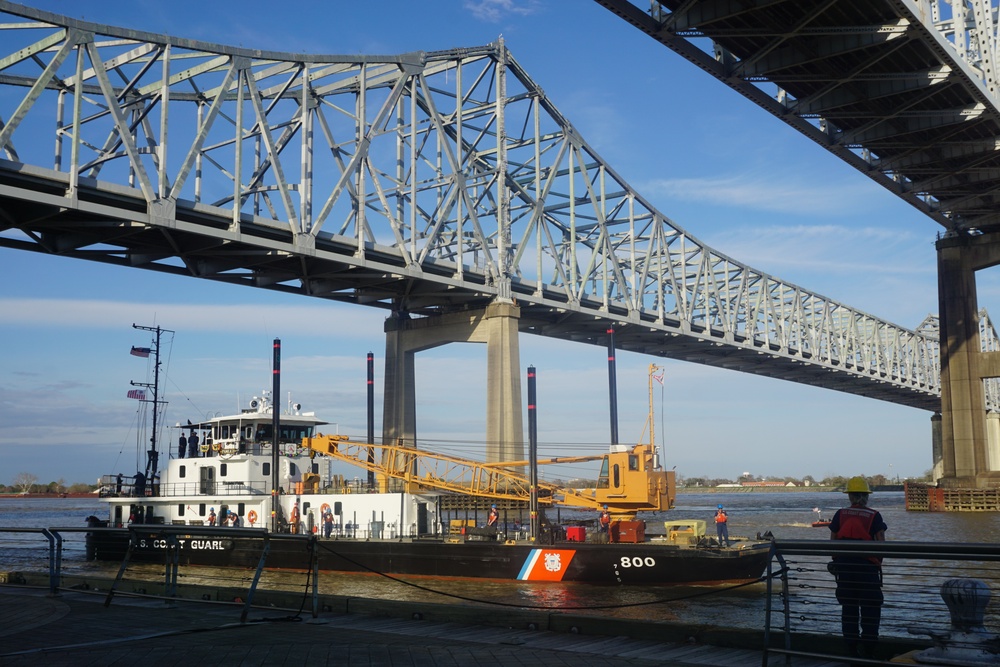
495, 10
778, 194
320, 319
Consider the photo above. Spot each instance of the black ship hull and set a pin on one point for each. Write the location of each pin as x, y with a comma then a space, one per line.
618, 563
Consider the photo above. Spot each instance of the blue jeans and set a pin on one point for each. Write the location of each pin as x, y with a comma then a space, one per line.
722, 529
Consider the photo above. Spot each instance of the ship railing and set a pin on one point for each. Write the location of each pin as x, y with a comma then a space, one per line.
192, 488
803, 617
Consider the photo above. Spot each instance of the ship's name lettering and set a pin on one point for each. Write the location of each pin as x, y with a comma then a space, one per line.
197, 545
638, 561
207, 545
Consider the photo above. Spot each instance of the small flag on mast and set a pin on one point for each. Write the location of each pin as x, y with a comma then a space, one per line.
139, 394
659, 378
140, 352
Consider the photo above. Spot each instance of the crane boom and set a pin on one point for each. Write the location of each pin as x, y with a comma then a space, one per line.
628, 482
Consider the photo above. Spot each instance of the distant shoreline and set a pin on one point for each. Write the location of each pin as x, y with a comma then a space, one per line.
757, 489
780, 489
45, 496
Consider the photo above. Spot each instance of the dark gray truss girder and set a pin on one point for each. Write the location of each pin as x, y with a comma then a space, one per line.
428, 182
871, 81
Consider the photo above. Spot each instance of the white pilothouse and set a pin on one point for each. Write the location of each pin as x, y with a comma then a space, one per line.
222, 468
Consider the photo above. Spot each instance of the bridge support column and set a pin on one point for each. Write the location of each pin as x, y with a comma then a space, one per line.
497, 327
964, 443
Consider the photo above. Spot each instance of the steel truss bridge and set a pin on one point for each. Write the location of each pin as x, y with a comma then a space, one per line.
423, 183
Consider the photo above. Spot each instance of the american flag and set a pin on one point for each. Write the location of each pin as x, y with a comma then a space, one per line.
137, 393
140, 351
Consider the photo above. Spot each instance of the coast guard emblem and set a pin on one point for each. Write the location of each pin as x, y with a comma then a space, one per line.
546, 564
552, 562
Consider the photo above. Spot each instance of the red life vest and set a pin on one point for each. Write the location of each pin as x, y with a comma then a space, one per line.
856, 524
720, 517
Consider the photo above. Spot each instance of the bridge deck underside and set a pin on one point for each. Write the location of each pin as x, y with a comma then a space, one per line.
867, 80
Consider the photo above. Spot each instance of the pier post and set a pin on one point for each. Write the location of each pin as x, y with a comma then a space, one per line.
497, 326
964, 366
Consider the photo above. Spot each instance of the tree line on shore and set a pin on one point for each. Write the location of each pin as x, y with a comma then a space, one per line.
833, 481
26, 482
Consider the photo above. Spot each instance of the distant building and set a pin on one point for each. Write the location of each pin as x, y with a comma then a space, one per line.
768, 484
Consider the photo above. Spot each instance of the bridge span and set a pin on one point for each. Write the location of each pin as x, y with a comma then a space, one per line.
906, 91
424, 184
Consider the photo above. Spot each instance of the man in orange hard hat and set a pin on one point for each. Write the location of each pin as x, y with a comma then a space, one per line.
859, 578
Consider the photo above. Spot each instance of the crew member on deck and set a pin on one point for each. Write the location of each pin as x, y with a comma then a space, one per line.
327, 523
604, 522
192, 445
140, 485
491, 520
118, 484
859, 578
182, 444
722, 526
211, 516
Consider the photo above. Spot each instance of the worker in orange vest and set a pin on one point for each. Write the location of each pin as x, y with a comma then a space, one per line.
722, 525
859, 578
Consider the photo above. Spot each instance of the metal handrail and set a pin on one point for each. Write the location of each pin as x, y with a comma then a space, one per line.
912, 574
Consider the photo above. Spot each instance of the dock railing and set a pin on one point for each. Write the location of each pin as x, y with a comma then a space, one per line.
803, 616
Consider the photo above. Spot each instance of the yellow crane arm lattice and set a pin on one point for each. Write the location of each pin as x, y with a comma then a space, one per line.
628, 482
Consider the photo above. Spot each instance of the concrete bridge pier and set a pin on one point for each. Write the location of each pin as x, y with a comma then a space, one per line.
497, 326
965, 460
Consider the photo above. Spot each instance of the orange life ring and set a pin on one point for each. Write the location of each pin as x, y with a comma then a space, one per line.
324, 509
295, 520
252, 517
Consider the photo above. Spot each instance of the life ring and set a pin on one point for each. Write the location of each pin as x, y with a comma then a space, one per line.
295, 520
252, 517
324, 509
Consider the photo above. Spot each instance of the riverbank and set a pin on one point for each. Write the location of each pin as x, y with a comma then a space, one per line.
46, 496
781, 489
757, 489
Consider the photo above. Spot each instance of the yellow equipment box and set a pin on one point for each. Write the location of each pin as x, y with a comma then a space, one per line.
685, 532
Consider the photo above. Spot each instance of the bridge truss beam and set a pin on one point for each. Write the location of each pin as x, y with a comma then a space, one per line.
424, 183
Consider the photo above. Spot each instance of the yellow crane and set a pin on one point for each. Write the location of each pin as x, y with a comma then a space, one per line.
629, 480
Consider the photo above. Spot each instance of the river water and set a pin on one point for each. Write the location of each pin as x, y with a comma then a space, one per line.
786, 515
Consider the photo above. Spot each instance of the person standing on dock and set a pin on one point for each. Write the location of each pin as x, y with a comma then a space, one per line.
722, 526
859, 578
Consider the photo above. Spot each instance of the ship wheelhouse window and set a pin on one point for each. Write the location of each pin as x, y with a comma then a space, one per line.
180, 510
223, 467
183, 471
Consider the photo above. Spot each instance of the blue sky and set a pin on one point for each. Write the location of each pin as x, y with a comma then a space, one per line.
732, 175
